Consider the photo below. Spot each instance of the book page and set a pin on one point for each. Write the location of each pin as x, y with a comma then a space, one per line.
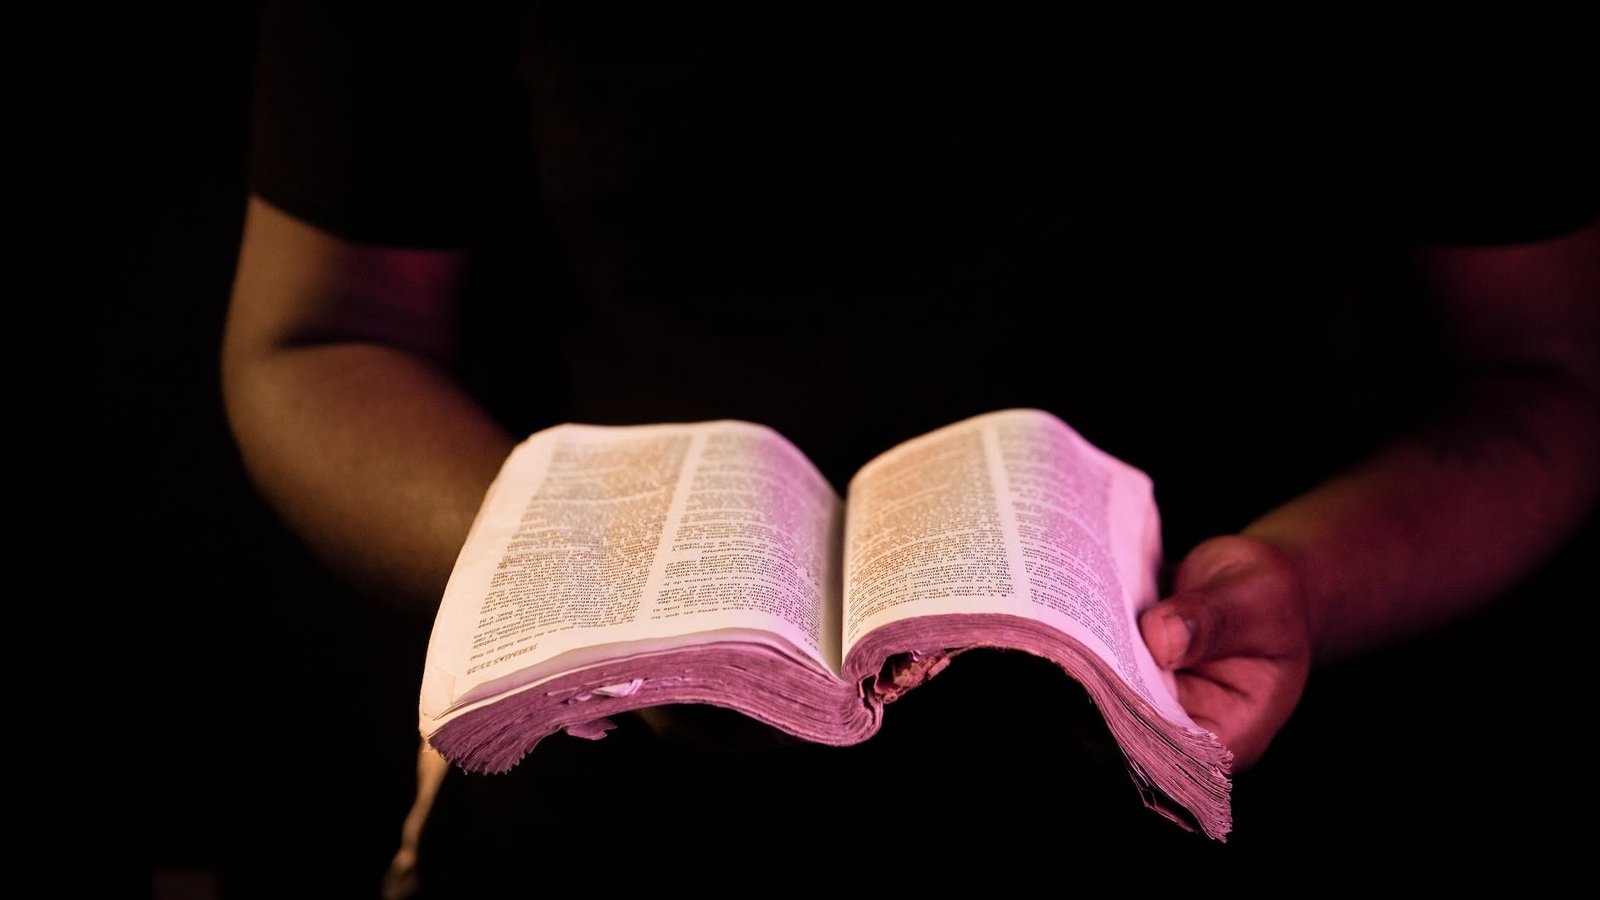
594, 536
924, 534
1015, 513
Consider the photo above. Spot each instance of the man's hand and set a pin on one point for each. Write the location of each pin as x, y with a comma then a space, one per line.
1237, 634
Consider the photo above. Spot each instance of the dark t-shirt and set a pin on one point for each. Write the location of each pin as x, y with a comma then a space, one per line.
857, 227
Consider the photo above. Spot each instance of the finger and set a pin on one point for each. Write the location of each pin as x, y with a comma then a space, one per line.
1199, 626
1167, 633
1248, 619
1190, 629
1234, 597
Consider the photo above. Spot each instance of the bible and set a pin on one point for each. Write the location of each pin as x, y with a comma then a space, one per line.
612, 568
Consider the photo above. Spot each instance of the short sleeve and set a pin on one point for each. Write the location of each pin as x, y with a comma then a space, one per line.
1530, 182
1492, 161
386, 124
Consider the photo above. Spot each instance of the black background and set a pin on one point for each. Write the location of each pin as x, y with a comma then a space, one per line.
254, 721
252, 724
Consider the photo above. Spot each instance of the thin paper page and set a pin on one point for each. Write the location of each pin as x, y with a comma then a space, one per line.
758, 532
596, 535
1090, 541
924, 534
1012, 513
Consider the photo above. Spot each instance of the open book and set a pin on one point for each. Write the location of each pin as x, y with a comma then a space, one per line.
613, 568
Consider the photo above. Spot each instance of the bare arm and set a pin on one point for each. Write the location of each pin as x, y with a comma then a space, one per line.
336, 379
1460, 511
1429, 527
336, 375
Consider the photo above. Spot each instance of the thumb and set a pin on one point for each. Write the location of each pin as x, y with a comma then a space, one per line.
1170, 633
1235, 597
1183, 631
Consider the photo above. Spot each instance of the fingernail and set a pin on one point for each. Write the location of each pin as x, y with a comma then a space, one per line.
1177, 630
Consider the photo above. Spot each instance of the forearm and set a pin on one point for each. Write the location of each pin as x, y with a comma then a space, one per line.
373, 455
335, 374
1436, 523
1448, 517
